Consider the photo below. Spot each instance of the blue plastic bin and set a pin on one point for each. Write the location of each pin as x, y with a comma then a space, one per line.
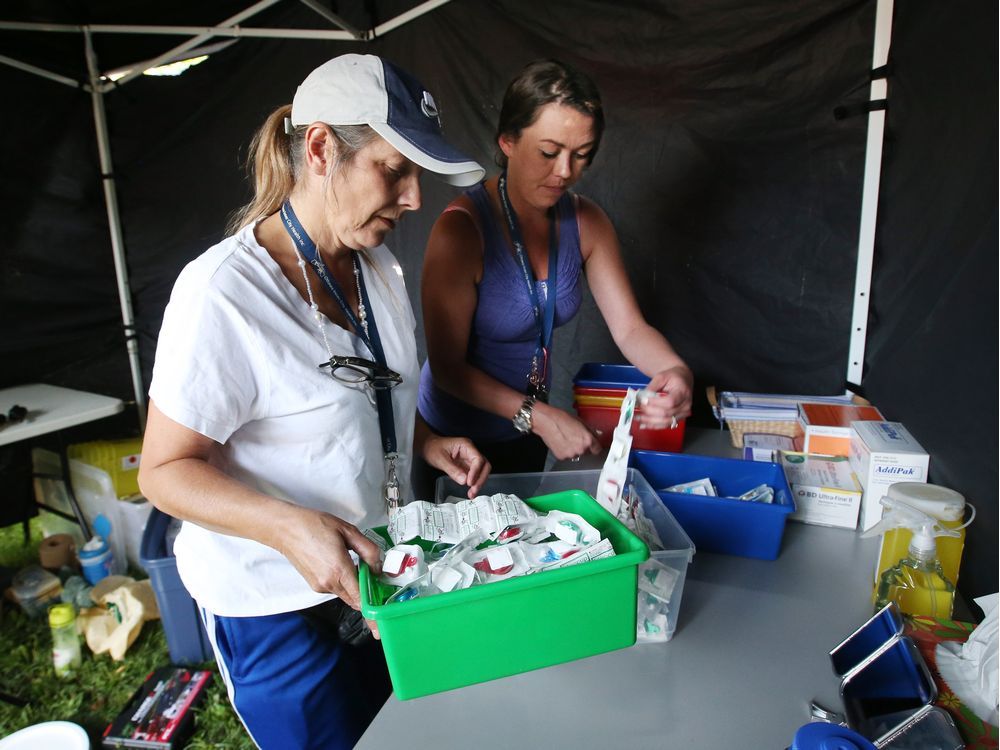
186, 638
599, 375
721, 524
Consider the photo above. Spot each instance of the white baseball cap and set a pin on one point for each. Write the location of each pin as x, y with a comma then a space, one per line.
367, 90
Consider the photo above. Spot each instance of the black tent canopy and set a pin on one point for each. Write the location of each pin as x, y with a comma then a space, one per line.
740, 166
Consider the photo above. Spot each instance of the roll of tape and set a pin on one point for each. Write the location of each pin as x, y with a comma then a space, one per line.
56, 551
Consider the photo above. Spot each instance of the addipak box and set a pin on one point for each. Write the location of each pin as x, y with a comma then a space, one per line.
883, 453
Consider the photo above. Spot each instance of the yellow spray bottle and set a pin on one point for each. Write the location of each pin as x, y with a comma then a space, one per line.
916, 583
944, 504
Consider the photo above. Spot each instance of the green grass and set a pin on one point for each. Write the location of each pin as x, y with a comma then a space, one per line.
103, 687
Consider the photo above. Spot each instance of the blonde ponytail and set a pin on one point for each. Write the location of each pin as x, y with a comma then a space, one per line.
273, 163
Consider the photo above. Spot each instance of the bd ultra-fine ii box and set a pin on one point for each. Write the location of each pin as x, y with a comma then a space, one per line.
883, 453
825, 489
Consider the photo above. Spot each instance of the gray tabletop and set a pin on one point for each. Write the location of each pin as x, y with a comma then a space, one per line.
750, 651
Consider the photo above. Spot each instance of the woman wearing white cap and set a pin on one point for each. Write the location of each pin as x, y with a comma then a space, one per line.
281, 418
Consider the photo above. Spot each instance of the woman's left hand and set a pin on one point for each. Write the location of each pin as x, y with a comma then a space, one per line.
671, 400
459, 459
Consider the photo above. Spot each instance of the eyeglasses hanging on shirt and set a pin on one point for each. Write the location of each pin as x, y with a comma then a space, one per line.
355, 370
544, 319
367, 330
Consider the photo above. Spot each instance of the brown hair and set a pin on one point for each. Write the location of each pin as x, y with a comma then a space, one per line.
275, 160
545, 82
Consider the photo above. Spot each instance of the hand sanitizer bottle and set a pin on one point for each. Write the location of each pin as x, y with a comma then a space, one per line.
944, 504
916, 583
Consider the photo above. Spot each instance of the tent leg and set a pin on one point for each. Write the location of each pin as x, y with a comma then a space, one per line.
869, 197
115, 227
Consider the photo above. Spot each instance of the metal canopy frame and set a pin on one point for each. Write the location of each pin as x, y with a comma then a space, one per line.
97, 85
231, 28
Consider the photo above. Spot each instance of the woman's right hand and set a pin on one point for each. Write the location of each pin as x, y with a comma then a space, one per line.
318, 548
564, 435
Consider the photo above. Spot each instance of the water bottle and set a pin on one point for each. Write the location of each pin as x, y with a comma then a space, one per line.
66, 656
95, 559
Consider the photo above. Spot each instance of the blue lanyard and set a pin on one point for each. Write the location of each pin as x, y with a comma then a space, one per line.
367, 333
544, 320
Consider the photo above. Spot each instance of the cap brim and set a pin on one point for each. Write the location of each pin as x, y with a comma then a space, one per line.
434, 154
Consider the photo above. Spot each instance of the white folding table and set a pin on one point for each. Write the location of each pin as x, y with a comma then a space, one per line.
51, 409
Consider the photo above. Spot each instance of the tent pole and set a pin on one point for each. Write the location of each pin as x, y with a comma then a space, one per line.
34, 69
394, 23
115, 227
207, 32
333, 18
195, 41
869, 197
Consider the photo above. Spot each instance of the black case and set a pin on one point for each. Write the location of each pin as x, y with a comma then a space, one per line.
159, 714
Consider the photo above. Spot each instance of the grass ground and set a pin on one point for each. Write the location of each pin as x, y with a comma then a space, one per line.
103, 687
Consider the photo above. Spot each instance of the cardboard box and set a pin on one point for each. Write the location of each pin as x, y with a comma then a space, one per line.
826, 428
825, 490
883, 453
760, 446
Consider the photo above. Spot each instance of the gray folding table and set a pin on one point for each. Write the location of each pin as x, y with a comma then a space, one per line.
750, 651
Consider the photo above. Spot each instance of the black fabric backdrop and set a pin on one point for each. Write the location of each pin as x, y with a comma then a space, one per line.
734, 189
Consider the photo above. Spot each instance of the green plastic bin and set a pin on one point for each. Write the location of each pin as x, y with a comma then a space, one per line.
504, 628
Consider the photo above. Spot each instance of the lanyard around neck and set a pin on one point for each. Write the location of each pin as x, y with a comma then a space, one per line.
367, 331
545, 320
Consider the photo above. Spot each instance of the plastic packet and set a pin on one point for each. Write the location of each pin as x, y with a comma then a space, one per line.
499, 563
652, 619
657, 579
759, 494
531, 531
448, 573
697, 487
403, 564
634, 517
546, 553
76, 591
452, 522
590, 552
570, 527
457, 575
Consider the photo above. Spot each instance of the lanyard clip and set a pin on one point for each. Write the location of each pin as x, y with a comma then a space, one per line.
391, 487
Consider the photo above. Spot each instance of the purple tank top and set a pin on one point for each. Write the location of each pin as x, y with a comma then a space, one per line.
504, 332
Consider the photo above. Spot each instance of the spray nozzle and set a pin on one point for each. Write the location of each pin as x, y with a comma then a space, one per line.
905, 498
925, 528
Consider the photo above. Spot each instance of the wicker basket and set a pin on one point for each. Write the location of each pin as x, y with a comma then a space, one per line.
740, 427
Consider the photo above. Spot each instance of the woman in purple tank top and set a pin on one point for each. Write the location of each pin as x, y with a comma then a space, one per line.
502, 269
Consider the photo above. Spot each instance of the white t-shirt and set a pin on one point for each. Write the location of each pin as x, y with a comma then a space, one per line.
237, 360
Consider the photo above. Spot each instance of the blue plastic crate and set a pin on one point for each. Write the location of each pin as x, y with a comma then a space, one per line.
722, 524
186, 638
599, 375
